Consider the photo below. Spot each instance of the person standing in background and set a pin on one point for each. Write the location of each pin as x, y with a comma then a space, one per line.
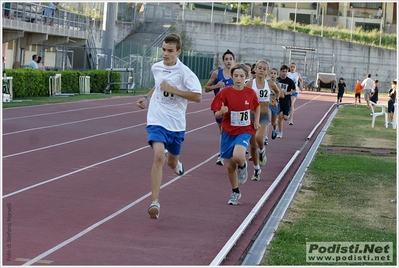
368, 85
48, 14
391, 102
358, 91
374, 93
33, 62
39, 63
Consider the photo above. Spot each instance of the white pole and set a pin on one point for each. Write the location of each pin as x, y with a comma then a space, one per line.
296, 6
322, 20
184, 8
353, 13
267, 9
380, 30
238, 11
212, 13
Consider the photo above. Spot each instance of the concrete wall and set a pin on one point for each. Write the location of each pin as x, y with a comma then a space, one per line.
251, 43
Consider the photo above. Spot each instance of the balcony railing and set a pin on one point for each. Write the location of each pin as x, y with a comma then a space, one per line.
34, 13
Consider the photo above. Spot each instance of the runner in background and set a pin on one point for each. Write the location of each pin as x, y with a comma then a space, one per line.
234, 105
297, 78
263, 89
221, 78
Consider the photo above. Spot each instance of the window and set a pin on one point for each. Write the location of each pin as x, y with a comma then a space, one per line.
366, 5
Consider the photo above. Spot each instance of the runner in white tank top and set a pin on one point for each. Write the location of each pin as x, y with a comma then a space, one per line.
263, 88
297, 78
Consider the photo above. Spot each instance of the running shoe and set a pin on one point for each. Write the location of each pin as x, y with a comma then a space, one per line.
179, 169
390, 124
219, 161
274, 134
243, 174
280, 135
256, 175
291, 123
266, 141
262, 157
154, 209
234, 198
250, 158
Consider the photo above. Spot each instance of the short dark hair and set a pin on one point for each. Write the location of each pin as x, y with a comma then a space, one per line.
376, 81
227, 53
284, 67
34, 56
173, 38
368, 75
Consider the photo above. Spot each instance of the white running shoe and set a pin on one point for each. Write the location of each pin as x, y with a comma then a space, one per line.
179, 169
220, 161
280, 135
262, 157
234, 198
154, 209
256, 175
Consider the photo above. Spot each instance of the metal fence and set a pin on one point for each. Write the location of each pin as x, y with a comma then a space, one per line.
141, 58
35, 13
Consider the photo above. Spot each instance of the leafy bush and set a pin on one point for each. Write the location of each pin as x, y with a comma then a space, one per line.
35, 83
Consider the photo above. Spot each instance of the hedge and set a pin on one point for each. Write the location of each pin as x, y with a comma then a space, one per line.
35, 83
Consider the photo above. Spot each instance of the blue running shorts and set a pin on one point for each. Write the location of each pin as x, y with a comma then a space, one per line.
275, 110
228, 142
172, 140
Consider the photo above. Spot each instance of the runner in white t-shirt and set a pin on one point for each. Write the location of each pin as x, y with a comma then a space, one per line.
175, 84
297, 78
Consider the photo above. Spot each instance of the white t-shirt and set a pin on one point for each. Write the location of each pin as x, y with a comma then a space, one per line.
294, 77
165, 109
368, 83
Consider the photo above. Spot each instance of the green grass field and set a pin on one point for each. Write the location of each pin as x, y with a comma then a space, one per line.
347, 193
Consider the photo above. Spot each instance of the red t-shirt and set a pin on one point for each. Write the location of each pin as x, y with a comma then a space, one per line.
239, 102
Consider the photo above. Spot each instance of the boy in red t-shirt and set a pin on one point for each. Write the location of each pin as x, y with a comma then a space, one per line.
234, 104
358, 91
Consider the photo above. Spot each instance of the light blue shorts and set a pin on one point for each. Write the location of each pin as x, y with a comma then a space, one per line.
228, 143
172, 140
295, 94
275, 110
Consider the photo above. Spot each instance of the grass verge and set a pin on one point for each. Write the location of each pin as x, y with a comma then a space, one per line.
346, 194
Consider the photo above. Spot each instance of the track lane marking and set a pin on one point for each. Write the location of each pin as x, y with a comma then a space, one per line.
97, 224
90, 166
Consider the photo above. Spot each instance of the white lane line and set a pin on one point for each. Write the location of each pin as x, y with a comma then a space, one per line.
93, 165
71, 141
85, 120
67, 111
97, 224
69, 123
73, 172
80, 139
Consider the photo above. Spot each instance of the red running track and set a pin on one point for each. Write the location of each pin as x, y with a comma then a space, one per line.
76, 185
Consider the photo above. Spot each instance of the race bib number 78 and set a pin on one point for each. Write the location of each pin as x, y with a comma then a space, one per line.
240, 119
